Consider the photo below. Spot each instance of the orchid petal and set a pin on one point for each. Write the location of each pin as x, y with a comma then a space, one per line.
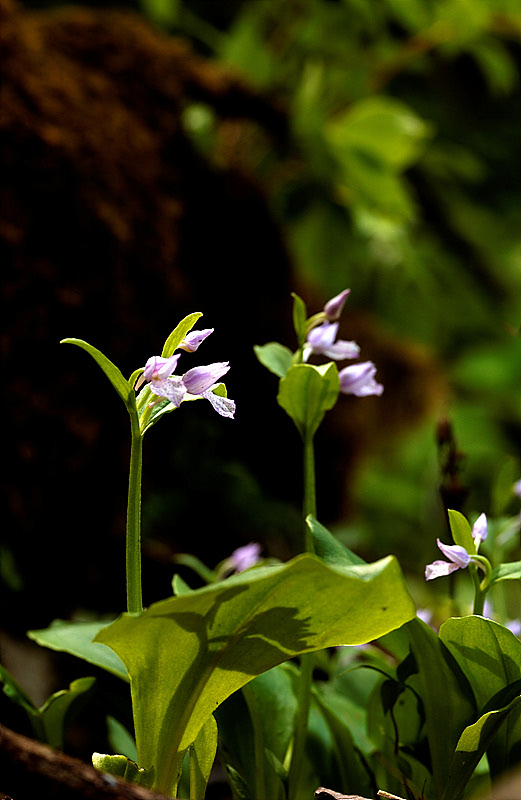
172, 389
457, 554
333, 308
479, 529
245, 557
322, 336
439, 569
199, 379
223, 405
193, 339
358, 379
342, 349
158, 367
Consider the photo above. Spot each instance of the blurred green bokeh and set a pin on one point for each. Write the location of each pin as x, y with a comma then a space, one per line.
400, 180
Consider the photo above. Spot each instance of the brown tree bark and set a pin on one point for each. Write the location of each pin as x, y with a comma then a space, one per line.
30, 770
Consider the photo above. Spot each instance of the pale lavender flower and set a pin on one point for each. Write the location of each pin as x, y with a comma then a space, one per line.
321, 341
479, 530
245, 557
241, 559
197, 382
333, 307
158, 369
516, 488
193, 339
358, 379
458, 559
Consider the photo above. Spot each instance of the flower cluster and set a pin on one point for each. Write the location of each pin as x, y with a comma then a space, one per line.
458, 557
197, 382
357, 379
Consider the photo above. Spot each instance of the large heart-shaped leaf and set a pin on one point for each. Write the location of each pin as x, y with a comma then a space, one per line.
187, 654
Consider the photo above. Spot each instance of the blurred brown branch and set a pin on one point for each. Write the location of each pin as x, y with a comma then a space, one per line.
29, 769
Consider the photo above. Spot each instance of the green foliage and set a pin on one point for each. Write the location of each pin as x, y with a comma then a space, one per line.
306, 392
398, 181
208, 643
275, 357
490, 656
50, 721
77, 638
461, 531
124, 768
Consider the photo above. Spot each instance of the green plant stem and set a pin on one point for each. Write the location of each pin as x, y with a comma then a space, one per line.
133, 543
310, 501
306, 661
479, 596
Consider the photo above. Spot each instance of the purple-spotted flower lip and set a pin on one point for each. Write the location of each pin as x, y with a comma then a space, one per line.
321, 341
359, 379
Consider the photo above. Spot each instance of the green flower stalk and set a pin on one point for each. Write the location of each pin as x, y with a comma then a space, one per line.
163, 392
306, 392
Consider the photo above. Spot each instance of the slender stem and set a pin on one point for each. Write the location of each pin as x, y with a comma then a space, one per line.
306, 661
133, 545
310, 501
479, 596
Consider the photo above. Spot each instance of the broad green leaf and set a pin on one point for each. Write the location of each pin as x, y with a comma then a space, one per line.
490, 656
202, 646
275, 357
506, 572
307, 392
202, 756
473, 743
115, 376
77, 638
447, 698
179, 333
329, 548
461, 531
